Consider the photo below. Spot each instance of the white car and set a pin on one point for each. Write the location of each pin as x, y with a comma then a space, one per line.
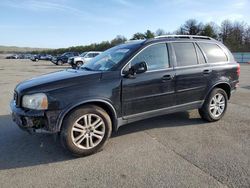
78, 61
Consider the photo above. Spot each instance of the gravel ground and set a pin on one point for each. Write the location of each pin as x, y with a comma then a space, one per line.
176, 150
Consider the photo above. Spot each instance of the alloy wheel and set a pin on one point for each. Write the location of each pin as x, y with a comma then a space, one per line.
217, 105
88, 131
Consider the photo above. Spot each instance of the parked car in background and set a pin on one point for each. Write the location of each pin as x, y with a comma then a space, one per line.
34, 58
41, 57
24, 56
45, 57
127, 83
78, 61
60, 60
14, 56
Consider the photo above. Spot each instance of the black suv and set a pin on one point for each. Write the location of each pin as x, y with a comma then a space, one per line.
127, 83
60, 60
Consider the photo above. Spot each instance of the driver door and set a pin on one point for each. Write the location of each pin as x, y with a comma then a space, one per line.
152, 90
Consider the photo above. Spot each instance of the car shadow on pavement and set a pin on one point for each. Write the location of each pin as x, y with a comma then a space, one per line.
169, 120
20, 149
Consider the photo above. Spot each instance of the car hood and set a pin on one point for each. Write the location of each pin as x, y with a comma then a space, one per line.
57, 80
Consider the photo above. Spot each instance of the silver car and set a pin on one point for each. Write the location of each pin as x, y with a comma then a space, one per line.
78, 61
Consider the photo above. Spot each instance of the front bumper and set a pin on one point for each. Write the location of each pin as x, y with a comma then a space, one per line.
33, 120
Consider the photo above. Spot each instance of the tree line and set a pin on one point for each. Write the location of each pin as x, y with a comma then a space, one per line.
235, 35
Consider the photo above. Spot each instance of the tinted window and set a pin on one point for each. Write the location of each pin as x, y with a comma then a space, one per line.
88, 56
185, 53
83, 54
156, 57
91, 55
213, 52
200, 55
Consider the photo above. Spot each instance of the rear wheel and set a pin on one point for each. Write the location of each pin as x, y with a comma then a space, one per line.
86, 130
214, 106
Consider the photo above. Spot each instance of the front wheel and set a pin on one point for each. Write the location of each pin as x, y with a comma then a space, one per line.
59, 62
214, 106
79, 63
86, 130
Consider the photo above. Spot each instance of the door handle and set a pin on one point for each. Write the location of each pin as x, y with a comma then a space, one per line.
207, 71
167, 77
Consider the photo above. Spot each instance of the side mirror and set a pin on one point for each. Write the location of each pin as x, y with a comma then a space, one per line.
138, 68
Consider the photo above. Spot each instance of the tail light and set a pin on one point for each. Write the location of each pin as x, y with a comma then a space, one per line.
238, 70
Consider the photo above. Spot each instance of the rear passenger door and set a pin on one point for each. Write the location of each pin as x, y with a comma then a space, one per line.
192, 73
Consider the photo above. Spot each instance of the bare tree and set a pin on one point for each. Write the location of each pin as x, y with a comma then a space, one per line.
232, 34
160, 32
226, 29
247, 39
191, 27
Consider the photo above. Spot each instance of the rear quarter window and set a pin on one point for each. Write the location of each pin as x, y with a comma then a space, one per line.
213, 52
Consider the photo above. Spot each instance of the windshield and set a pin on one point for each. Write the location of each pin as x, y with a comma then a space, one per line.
107, 60
83, 54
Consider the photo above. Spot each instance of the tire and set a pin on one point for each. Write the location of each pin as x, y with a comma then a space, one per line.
213, 108
73, 66
76, 135
59, 62
79, 63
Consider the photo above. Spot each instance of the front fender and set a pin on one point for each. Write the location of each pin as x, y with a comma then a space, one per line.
106, 102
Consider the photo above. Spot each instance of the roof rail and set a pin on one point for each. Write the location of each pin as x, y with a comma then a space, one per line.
184, 36
134, 40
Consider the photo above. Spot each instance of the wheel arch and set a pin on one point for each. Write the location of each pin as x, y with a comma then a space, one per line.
223, 85
78, 61
105, 105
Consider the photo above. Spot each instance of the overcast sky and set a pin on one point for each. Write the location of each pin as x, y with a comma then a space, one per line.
63, 23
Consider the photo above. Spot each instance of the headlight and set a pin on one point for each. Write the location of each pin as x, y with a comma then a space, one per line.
38, 101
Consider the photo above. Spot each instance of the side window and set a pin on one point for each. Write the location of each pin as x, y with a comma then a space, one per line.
70, 54
200, 55
213, 52
185, 53
155, 56
88, 55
